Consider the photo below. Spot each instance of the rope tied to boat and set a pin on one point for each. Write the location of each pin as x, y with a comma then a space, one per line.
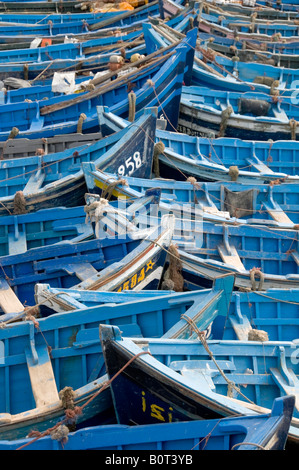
67, 397
202, 337
96, 210
253, 272
195, 185
293, 125
174, 271
252, 24
13, 133
233, 172
107, 193
19, 203
247, 444
274, 92
38, 435
225, 115
276, 37
26, 71
60, 434
159, 148
132, 106
40, 152
81, 119
31, 313
258, 335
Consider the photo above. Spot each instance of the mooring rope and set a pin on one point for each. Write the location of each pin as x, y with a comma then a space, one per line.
201, 337
78, 410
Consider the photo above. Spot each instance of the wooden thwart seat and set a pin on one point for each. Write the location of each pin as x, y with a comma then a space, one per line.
231, 258
41, 376
9, 302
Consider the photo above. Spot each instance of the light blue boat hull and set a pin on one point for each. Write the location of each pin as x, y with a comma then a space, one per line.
266, 432
76, 357
211, 380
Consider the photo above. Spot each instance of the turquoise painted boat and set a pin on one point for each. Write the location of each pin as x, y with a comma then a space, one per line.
78, 27
277, 53
263, 432
110, 263
274, 312
54, 180
217, 159
60, 115
251, 116
76, 358
230, 203
209, 24
212, 379
221, 73
85, 56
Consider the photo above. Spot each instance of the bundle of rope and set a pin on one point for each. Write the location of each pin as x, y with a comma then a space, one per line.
173, 278
253, 272
225, 115
95, 211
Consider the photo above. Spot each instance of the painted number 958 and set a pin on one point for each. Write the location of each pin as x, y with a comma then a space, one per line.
131, 164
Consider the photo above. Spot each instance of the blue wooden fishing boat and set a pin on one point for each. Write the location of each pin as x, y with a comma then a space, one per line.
41, 6
275, 53
274, 312
76, 356
222, 73
111, 263
54, 180
179, 380
158, 83
56, 300
20, 148
286, 48
254, 26
39, 18
78, 27
21, 232
50, 52
104, 25
265, 13
231, 203
30, 62
220, 159
255, 116
268, 33
27, 12
284, 5
228, 159
263, 432
260, 257
205, 306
